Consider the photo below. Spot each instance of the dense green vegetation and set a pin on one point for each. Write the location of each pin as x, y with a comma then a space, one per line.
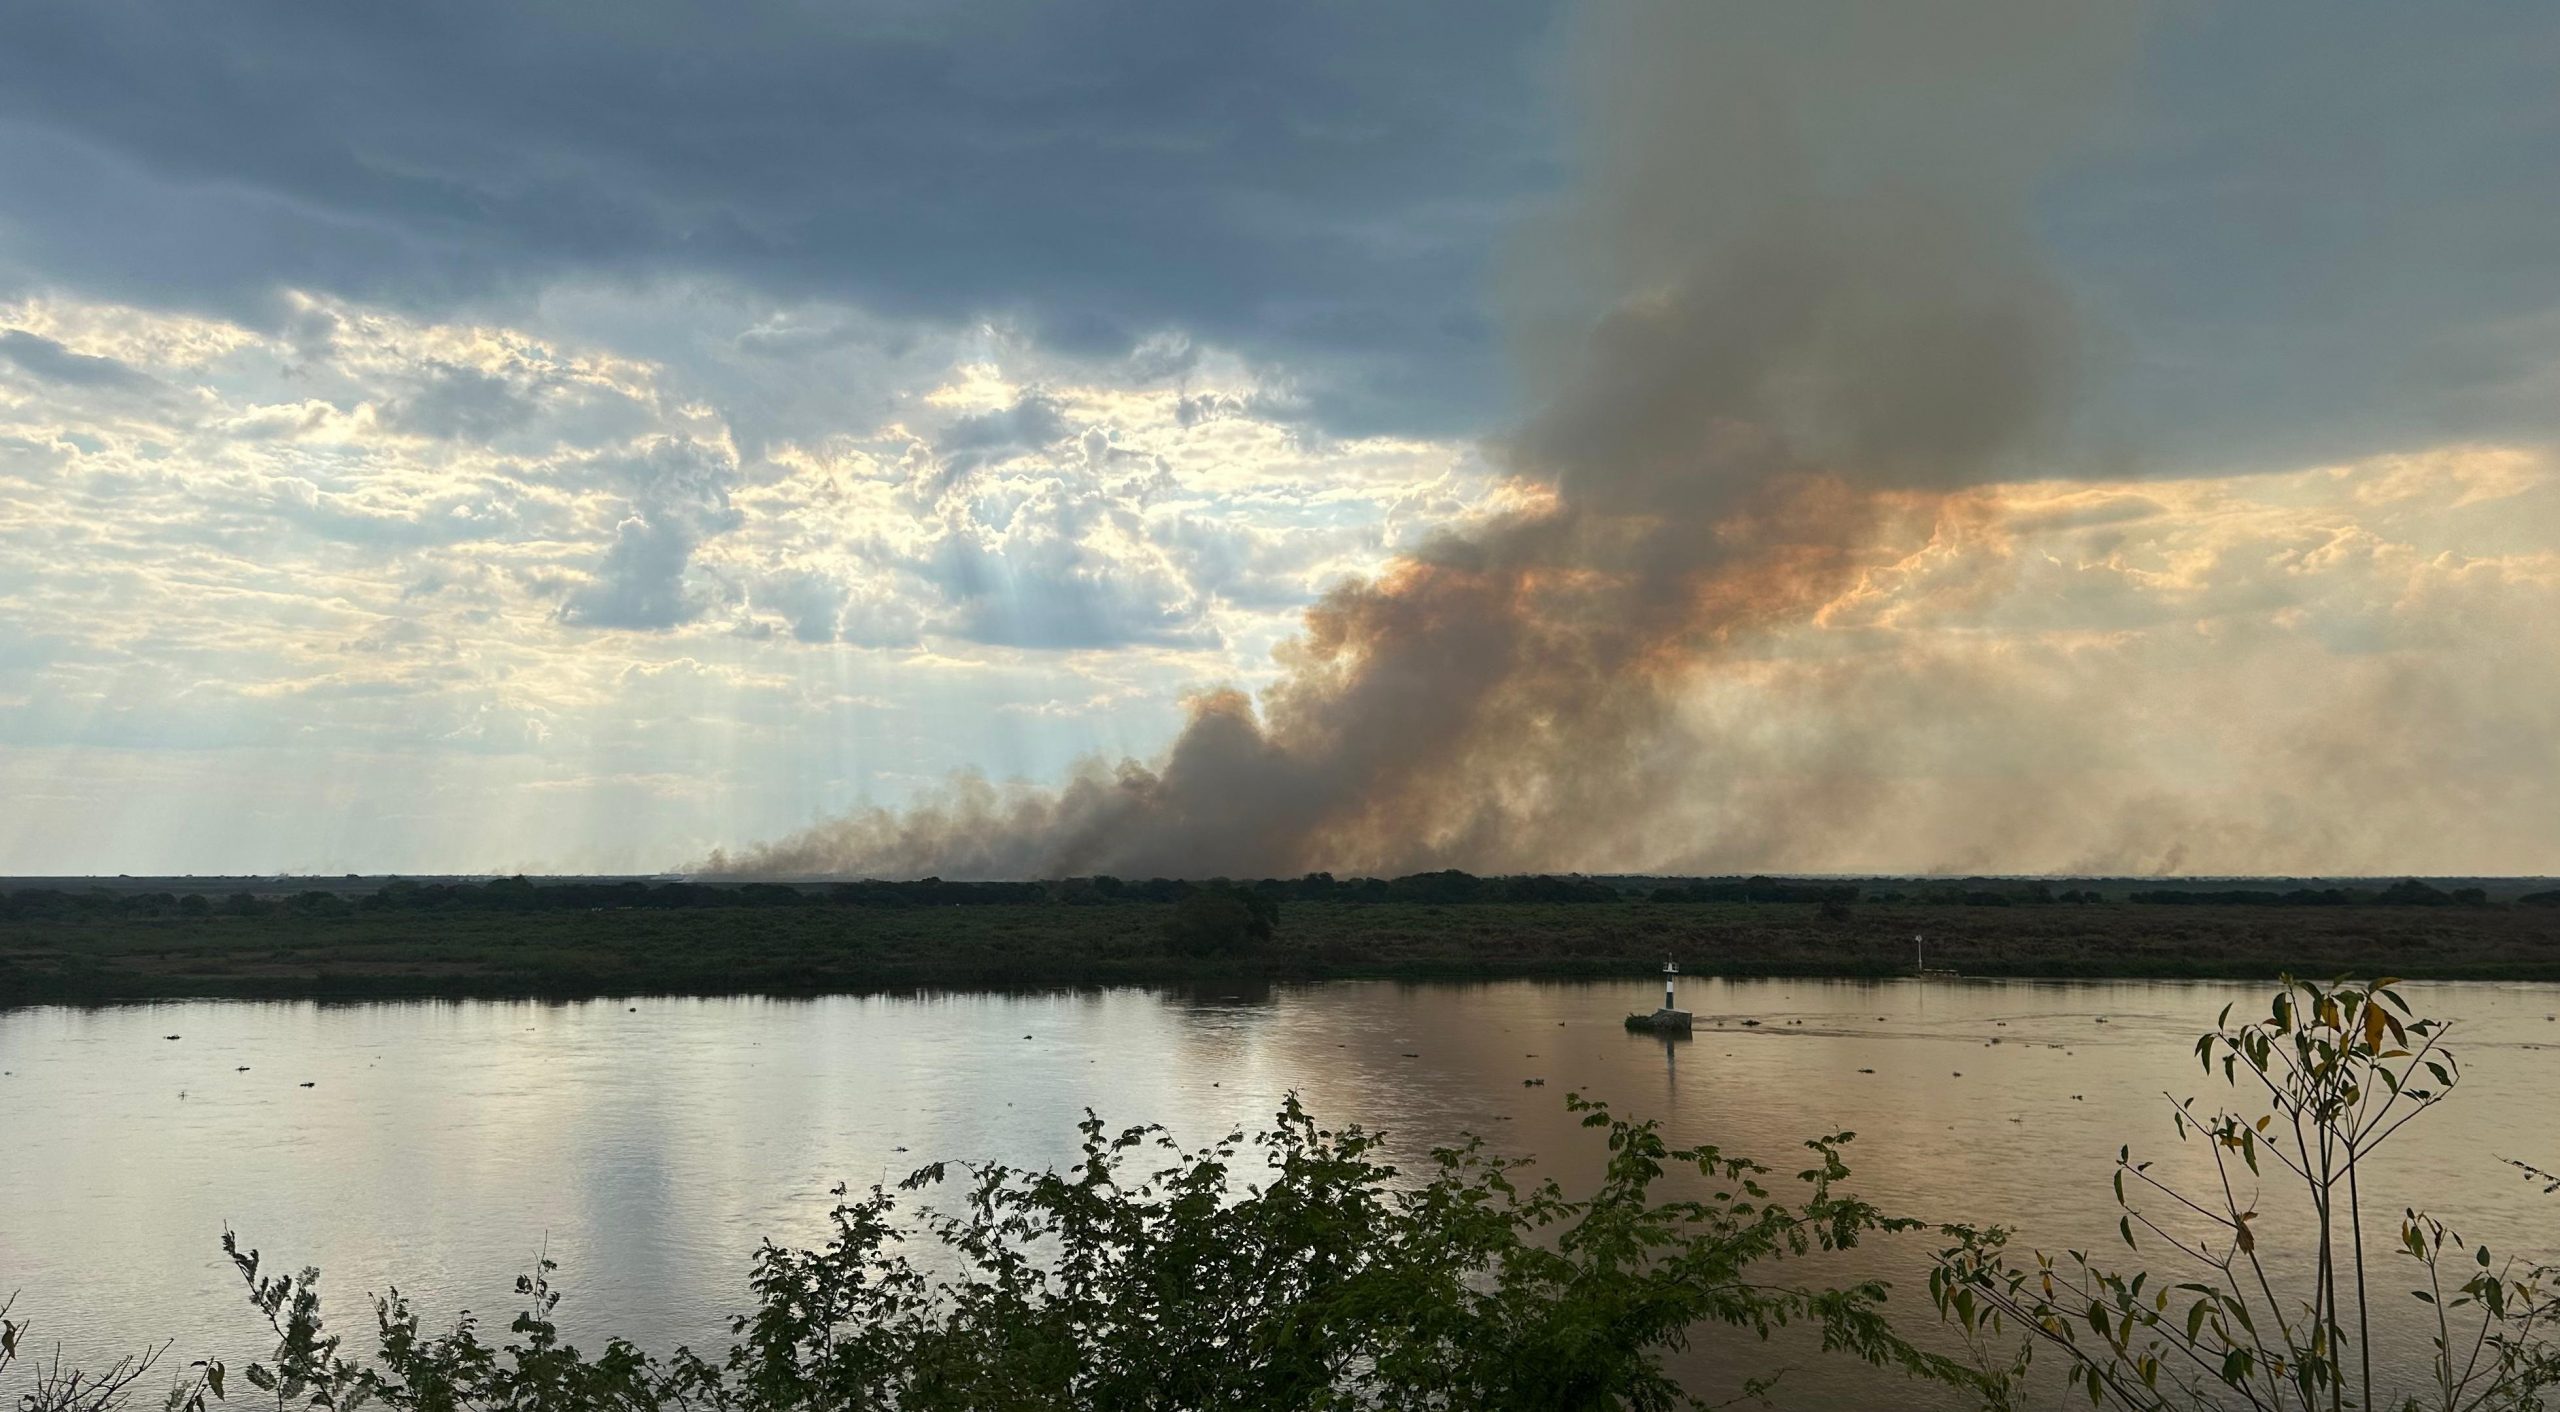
1299, 1269
513, 937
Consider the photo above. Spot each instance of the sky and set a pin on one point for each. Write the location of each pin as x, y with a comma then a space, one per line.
494, 438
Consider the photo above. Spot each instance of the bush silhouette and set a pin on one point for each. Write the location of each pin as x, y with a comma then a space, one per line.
1221, 921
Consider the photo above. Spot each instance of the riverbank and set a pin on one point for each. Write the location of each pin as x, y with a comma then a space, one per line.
852, 949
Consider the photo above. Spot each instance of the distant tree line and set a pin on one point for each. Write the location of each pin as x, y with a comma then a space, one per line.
1970, 892
2407, 893
1756, 890
1443, 888
520, 894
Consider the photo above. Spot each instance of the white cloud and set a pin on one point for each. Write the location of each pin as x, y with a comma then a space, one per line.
409, 542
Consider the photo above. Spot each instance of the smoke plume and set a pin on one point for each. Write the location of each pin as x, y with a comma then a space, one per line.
1793, 302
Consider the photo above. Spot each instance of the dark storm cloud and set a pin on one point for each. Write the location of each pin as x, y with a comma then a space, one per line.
456, 402
1056, 593
2307, 232
678, 497
2320, 230
42, 358
1033, 421
1319, 184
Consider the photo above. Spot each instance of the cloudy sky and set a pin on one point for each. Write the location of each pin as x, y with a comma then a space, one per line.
500, 437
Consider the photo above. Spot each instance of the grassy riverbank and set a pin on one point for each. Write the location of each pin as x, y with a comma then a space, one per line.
814, 949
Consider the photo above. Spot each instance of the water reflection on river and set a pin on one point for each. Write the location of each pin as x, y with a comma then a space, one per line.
650, 1144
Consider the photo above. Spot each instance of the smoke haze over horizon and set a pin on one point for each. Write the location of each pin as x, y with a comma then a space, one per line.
1825, 329
1983, 437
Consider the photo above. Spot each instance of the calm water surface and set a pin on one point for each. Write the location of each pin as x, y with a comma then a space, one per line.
650, 1144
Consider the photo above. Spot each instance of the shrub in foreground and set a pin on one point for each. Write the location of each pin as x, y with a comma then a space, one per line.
1293, 1270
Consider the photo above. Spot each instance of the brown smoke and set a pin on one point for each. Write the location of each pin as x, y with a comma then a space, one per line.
1820, 310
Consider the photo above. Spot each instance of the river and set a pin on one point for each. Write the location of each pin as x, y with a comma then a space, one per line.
649, 1144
